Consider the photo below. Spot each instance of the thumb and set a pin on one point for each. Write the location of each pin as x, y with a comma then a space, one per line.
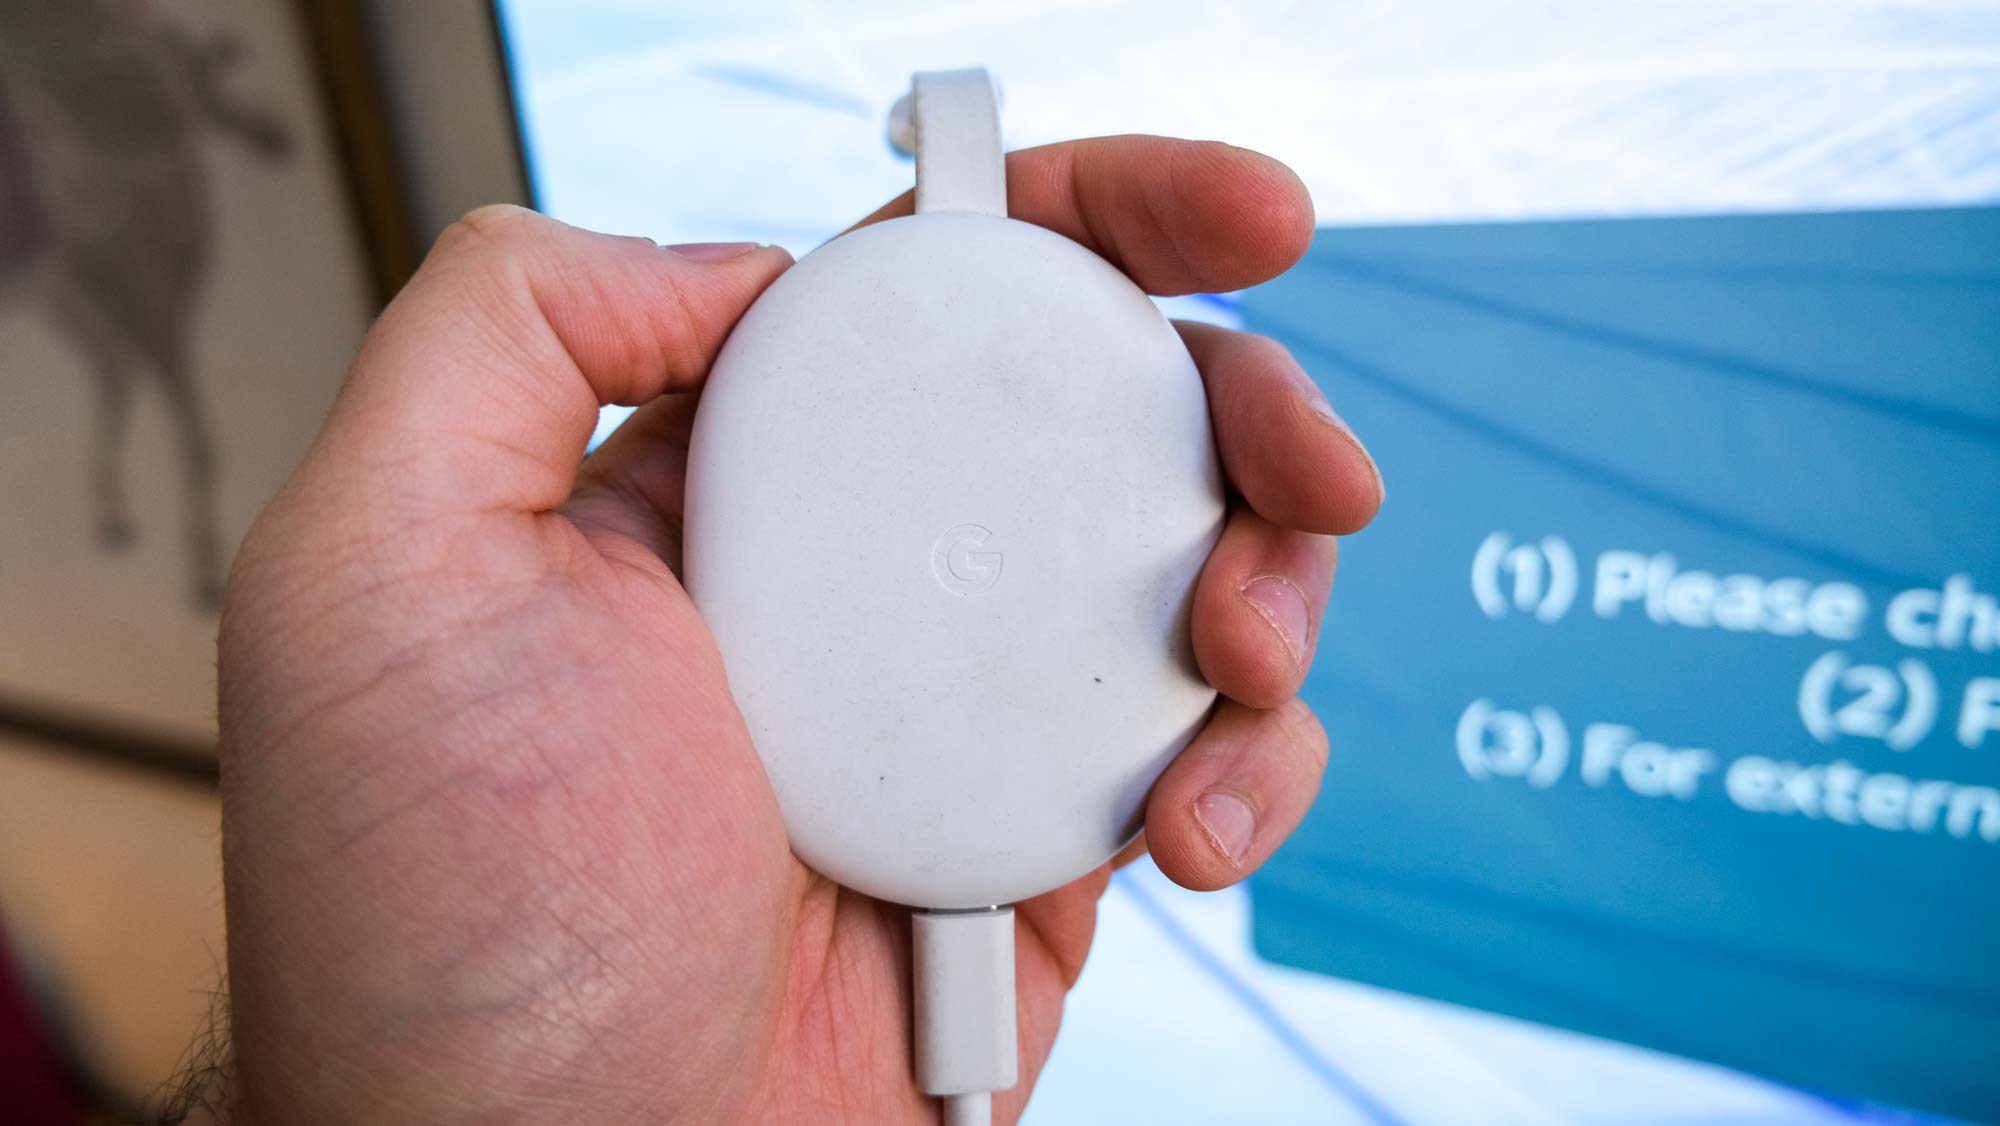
478, 388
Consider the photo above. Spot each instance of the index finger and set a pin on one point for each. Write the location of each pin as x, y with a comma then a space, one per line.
1176, 216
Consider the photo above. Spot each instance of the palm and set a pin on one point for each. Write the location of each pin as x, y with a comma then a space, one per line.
835, 1043
497, 844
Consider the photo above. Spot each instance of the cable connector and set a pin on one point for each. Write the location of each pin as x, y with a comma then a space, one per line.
964, 981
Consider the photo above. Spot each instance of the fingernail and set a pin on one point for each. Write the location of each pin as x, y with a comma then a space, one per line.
1229, 822
1283, 605
1322, 408
712, 251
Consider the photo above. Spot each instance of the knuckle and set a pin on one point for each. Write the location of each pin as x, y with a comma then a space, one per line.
482, 226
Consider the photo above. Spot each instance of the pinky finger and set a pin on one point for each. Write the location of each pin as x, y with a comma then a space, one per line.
1233, 796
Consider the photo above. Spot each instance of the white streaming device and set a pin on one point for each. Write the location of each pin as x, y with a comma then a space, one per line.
950, 486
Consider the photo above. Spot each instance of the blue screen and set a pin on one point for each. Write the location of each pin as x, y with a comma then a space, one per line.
1669, 683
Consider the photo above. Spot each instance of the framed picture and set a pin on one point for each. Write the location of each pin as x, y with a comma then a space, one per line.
202, 205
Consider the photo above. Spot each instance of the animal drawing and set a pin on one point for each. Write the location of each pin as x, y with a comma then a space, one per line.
107, 224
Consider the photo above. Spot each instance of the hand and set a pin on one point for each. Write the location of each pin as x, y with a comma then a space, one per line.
497, 845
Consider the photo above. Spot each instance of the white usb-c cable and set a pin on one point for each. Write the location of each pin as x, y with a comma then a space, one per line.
963, 963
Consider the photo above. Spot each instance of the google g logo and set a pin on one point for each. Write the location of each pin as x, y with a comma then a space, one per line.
959, 567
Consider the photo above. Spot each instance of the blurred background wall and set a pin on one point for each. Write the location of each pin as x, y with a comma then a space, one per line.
202, 204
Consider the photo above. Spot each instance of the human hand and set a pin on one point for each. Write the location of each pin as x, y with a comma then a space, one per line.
497, 845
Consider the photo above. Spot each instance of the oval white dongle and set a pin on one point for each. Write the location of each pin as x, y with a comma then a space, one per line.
950, 486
